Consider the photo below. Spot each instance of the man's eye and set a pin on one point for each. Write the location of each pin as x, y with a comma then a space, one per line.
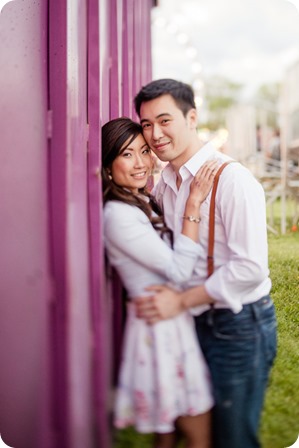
146, 125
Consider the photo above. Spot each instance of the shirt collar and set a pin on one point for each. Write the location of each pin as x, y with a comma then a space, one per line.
205, 153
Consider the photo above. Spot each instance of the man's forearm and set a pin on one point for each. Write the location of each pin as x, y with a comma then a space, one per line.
195, 296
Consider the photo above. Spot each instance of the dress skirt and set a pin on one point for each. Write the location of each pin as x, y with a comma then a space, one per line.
163, 374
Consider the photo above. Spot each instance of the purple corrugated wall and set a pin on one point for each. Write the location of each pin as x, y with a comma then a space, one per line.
65, 69
25, 280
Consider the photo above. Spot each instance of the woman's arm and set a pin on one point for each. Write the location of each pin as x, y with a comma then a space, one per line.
166, 302
199, 189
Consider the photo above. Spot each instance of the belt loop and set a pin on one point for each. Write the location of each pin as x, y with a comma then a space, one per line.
210, 317
255, 311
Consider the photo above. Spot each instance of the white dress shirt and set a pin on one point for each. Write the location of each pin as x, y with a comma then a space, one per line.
241, 273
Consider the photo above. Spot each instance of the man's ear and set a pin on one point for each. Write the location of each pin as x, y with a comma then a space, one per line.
192, 118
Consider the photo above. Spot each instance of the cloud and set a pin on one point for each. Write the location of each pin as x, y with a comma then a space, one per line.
252, 41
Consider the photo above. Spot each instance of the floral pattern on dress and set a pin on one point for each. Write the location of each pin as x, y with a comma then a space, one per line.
163, 375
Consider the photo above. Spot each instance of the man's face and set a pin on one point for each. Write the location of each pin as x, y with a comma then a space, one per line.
167, 132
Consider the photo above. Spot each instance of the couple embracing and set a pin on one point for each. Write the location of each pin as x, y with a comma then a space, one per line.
199, 343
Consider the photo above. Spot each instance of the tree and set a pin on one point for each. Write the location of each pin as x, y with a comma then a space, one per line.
266, 102
220, 95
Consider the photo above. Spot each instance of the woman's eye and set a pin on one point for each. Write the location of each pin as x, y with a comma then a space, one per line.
127, 154
146, 151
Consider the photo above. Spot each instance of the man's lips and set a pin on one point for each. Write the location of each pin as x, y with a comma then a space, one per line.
160, 146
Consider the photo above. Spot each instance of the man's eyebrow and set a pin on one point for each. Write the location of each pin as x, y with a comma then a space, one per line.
158, 116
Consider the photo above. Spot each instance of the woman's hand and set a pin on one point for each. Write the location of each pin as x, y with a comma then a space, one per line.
202, 183
164, 303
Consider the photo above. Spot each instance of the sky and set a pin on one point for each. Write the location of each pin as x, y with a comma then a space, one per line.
251, 42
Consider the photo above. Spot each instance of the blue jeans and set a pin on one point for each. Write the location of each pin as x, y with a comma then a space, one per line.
240, 350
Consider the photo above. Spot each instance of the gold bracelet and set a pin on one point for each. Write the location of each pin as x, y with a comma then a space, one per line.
192, 219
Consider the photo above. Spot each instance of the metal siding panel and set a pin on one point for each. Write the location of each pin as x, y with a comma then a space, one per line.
105, 61
98, 111
79, 350
24, 273
114, 61
147, 42
127, 56
80, 285
142, 73
136, 52
58, 197
138, 38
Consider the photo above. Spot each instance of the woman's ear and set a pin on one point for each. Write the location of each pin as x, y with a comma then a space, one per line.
109, 172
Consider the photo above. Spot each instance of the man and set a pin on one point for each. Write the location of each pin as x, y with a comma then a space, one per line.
233, 312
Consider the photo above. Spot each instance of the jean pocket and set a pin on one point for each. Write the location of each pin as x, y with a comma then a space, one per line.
268, 329
230, 326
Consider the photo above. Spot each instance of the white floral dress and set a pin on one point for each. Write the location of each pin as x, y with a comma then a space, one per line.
163, 374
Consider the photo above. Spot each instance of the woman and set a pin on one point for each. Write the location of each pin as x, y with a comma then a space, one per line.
163, 382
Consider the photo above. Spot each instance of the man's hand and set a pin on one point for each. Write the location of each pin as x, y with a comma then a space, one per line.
165, 303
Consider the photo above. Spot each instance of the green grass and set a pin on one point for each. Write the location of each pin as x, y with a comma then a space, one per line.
280, 422
274, 212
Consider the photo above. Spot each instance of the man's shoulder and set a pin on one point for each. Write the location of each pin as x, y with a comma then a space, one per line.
237, 179
233, 167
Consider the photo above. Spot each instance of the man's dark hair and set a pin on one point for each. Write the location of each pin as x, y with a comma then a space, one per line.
182, 94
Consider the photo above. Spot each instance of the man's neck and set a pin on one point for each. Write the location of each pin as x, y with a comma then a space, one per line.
178, 180
180, 161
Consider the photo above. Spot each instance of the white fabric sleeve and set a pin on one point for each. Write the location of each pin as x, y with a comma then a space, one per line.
241, 202
127, 229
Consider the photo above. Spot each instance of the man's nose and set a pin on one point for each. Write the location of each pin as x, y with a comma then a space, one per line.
157, 132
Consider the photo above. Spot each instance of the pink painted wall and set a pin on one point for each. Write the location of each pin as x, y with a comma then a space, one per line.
25, 281
66, 68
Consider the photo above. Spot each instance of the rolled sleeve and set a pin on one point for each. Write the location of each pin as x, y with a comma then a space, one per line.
243, 211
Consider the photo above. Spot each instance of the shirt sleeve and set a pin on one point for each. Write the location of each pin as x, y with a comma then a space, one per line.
128, 230
240, 201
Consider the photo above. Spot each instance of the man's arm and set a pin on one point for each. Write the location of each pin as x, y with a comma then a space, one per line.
166, 302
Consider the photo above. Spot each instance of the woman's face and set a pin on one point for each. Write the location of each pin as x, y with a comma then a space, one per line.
132, 167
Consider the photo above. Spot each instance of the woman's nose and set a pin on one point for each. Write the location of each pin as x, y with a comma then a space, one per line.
139, 160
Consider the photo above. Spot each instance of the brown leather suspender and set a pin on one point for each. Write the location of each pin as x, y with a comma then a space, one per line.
212, 220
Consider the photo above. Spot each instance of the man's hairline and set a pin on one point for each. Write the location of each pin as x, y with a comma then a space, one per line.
176, 101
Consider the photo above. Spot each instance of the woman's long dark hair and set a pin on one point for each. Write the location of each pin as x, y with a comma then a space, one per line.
115, 134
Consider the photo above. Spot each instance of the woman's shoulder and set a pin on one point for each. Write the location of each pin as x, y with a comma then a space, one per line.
121, 210
113, 206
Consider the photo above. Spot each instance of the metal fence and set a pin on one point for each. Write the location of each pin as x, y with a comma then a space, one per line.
66, 67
